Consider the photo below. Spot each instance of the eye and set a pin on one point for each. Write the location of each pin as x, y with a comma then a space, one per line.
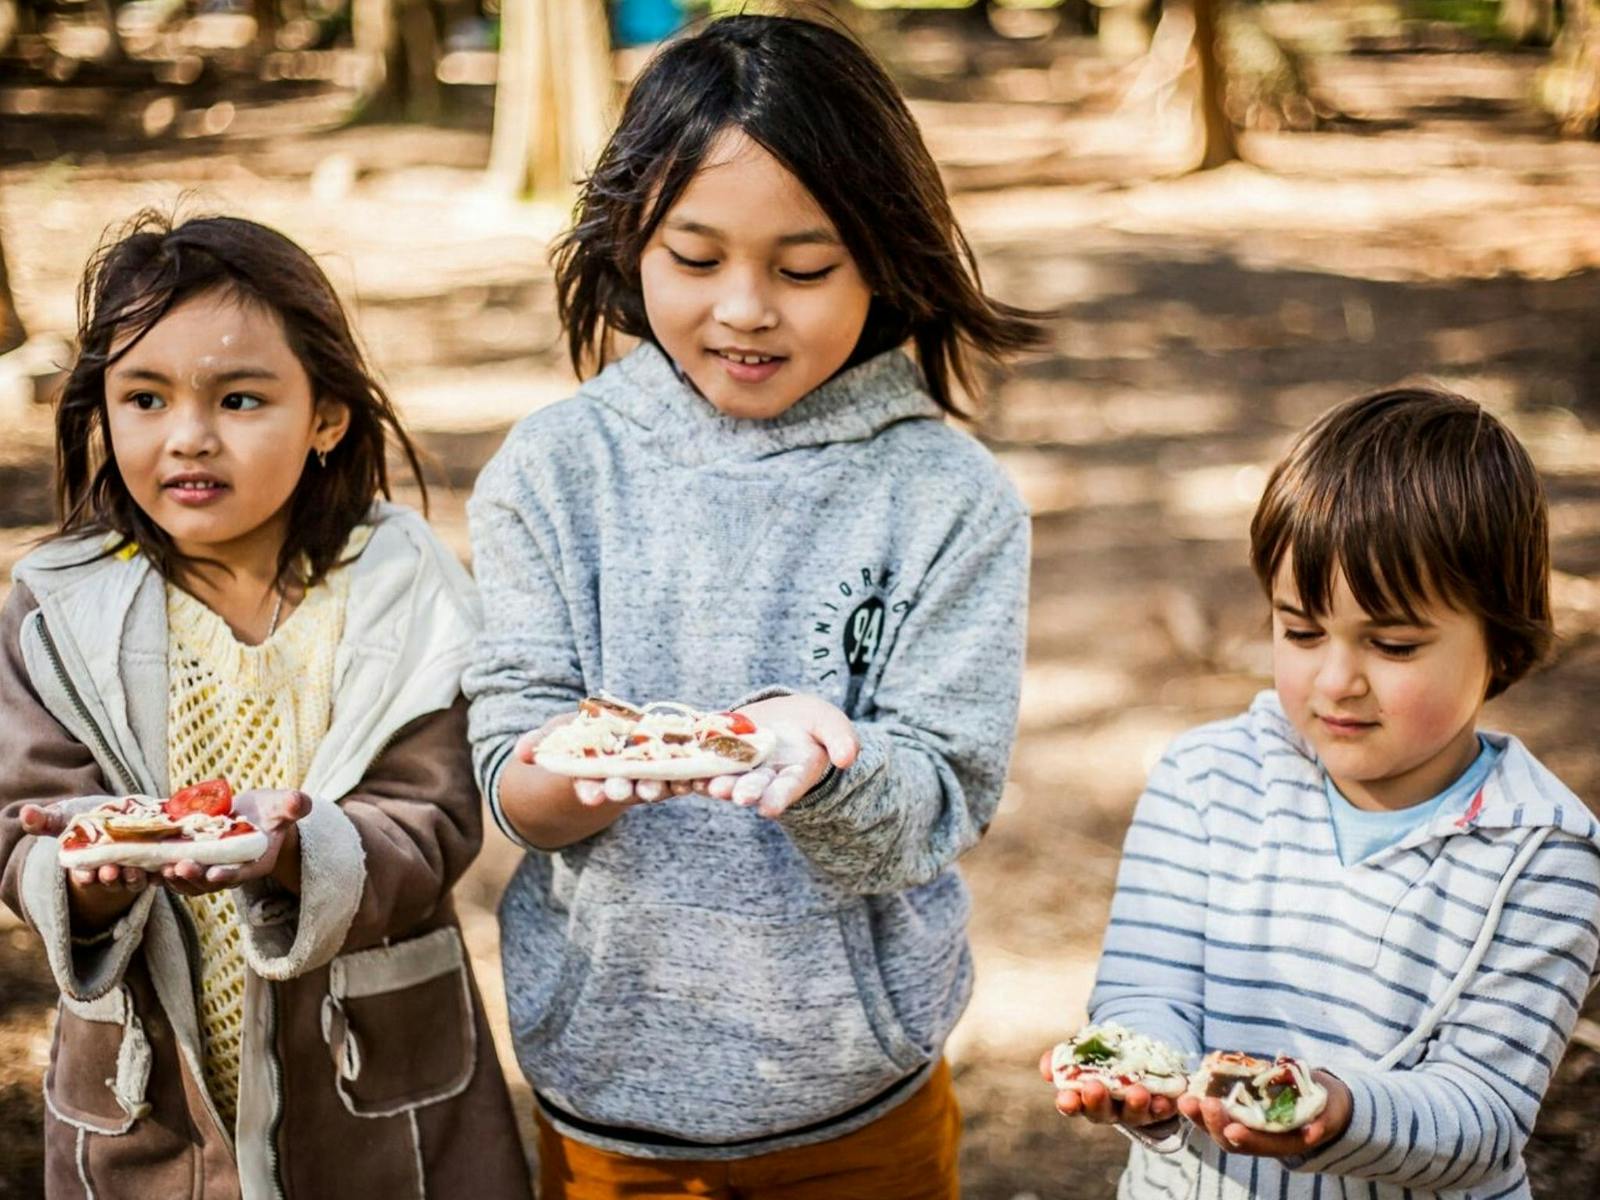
1397, 649
811, 276
1301, 635
241, 401
146, 401
693, 264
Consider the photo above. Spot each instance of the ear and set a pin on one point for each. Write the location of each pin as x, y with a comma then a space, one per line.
332, 423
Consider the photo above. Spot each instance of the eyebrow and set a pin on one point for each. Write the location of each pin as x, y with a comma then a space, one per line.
1396, 622
816, 236
148, 375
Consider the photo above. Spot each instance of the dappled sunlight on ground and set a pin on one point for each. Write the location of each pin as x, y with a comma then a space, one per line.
1430, 232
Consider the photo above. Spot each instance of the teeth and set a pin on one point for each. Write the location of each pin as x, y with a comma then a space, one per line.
749, 360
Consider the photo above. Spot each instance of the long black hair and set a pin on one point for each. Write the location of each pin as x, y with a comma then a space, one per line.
818, 101
138, 275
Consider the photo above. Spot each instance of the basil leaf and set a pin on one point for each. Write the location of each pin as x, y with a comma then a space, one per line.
1093, 1051
1283, 1104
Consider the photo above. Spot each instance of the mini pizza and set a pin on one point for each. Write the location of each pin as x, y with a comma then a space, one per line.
612, 740
1118, 1059
1272, 1097
196, 824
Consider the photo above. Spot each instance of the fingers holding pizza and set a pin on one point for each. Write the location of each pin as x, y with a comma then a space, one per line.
200, 839
810, 735
767, 754
272, 812
1267, 1108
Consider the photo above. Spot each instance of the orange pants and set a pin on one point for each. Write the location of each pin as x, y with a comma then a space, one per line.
909, 1153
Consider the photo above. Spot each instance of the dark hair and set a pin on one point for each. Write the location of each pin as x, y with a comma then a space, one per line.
139, 274
1415, 494
822, 106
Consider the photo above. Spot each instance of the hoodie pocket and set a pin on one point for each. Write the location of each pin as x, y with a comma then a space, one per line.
99, 1065
716, 1027
398, 1020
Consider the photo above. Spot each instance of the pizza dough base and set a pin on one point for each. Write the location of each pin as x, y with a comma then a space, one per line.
222, 852
1306, 1109
1156, 1085
698, 766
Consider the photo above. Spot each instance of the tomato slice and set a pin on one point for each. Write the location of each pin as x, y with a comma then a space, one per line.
740, 724
213, 797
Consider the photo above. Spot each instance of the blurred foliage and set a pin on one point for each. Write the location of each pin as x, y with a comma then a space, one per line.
1481, 18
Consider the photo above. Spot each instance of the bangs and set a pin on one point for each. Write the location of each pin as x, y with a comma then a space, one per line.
1386, 570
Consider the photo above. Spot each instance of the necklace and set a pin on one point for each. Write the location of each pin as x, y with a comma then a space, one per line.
277, 611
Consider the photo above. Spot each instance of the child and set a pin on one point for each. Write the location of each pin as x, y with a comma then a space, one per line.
1351, 873
745, 989
223, 598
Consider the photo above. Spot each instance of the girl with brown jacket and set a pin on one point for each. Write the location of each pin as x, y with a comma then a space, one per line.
227, 597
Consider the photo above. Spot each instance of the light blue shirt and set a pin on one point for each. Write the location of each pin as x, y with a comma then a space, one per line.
1360, 833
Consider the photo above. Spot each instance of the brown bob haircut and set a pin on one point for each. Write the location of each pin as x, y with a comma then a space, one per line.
140, 273
820, 104
1418, 496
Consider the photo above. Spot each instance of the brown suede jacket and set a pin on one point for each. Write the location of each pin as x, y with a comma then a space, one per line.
368, 1066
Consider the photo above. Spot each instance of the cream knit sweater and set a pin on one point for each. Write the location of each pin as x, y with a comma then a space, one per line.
253, 715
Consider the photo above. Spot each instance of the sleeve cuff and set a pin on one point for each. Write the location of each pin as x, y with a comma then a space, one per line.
84, 972
1162, 1137
496, 769
285, 938
1365, 1118
755, 697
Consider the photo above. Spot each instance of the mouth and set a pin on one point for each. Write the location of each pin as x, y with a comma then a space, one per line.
194, 488
1345, 725
748, 366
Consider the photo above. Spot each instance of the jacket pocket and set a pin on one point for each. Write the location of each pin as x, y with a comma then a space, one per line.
100, 1064
399, 1022
715, 1026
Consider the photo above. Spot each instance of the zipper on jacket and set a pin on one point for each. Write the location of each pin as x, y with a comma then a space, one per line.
125, 776
191, 951
276, 1069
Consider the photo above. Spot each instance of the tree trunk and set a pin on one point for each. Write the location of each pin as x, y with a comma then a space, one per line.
554, 98
1569, 87
12, 334
399, 43
1218, 143
1528, 22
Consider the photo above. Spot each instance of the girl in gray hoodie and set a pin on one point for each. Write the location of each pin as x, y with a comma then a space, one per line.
743, 987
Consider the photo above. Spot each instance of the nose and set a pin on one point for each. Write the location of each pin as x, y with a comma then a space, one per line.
1341, 673
745, 302
191, 431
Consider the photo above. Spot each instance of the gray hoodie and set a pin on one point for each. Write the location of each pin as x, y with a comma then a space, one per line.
697, 981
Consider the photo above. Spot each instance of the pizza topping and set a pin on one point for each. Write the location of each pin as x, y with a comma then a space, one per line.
1280, 1092
600, 706
214, 798
658, 732
1093, 1050
187, 816
1282, 1106
729, 747
1112, 1053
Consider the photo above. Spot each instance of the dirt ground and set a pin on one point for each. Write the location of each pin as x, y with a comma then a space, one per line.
1433, 229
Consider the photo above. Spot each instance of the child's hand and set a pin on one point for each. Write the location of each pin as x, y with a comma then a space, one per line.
1137, 1108
272, 811
594, 792
98, 895
811, 734
1237, 1138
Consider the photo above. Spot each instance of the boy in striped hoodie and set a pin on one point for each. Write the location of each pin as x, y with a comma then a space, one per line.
1351, 873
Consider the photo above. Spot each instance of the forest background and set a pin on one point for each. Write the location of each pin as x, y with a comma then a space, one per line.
1245, 212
